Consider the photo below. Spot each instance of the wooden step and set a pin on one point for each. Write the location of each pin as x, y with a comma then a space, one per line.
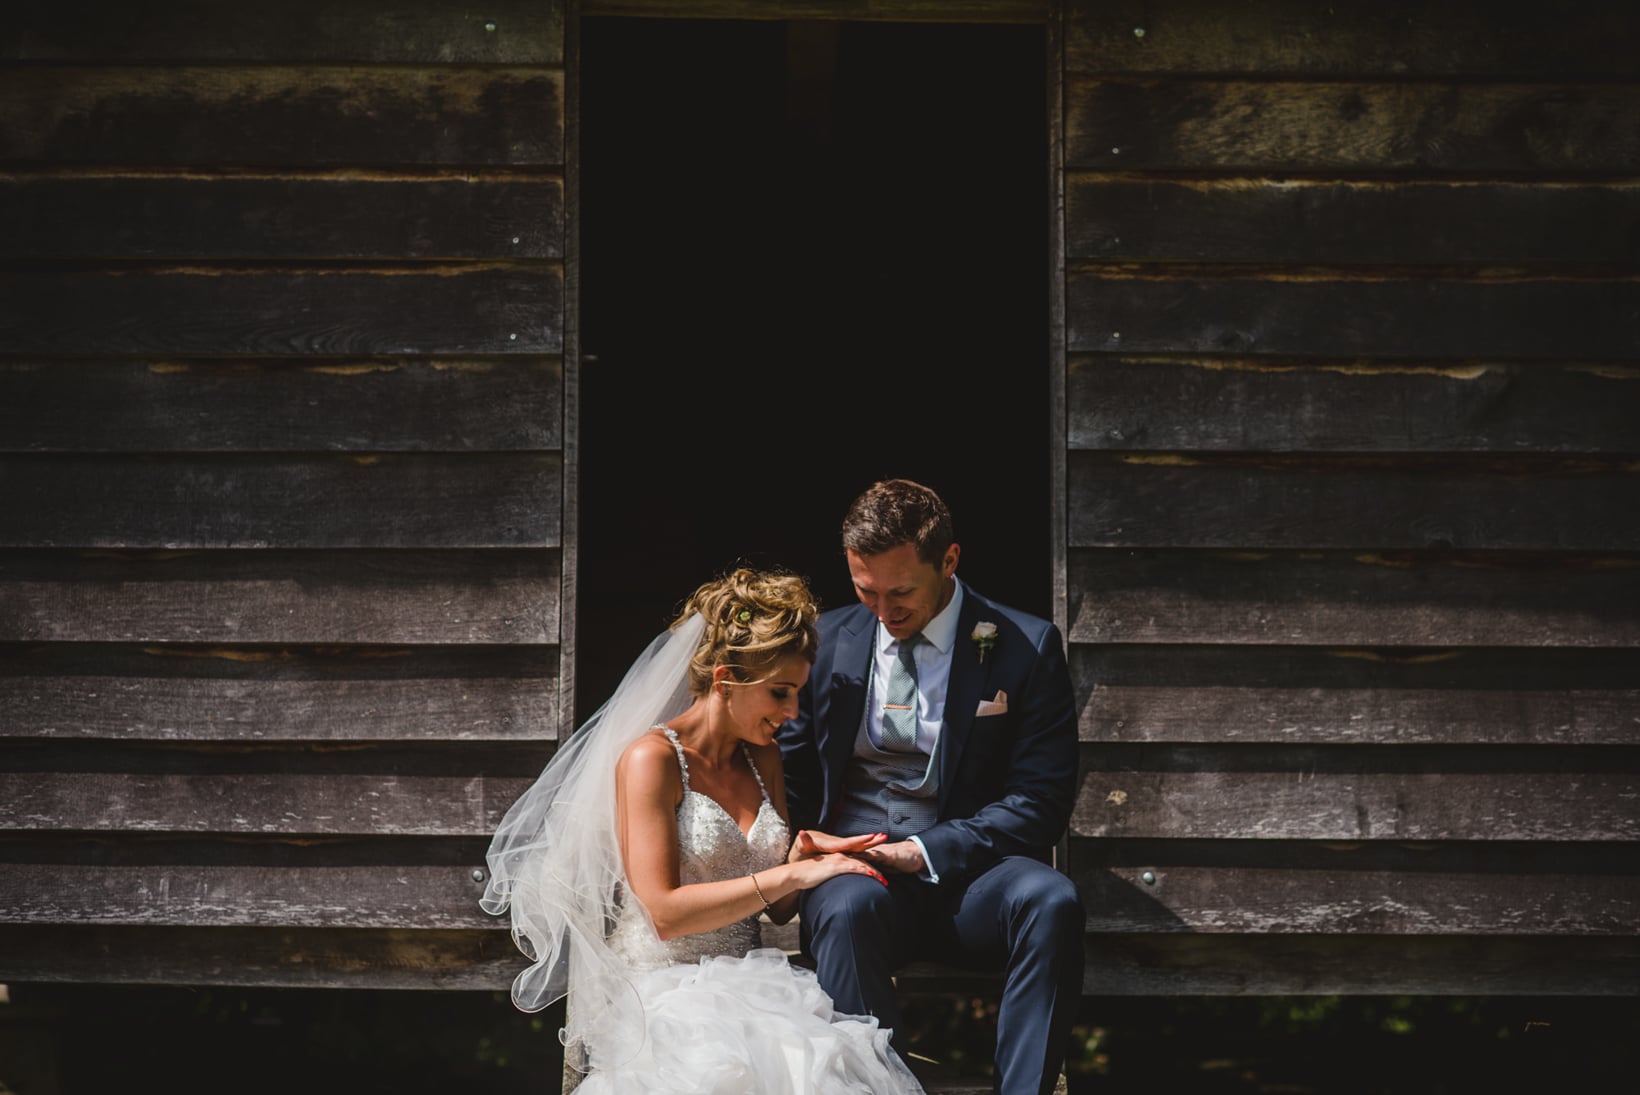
976, 1087
971, 1085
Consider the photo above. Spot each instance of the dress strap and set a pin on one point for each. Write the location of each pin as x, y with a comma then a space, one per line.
746, 749
672, 736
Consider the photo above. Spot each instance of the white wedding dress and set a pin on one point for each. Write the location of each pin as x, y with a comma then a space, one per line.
721, 1013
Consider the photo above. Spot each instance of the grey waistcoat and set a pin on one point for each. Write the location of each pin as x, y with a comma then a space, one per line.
893, 793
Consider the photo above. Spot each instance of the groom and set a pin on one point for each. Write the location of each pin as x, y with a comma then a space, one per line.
946, 721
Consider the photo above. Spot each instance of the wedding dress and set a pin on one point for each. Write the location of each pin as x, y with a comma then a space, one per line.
724, 1014
714, 1013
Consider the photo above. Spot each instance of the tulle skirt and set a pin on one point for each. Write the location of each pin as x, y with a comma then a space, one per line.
753, 1025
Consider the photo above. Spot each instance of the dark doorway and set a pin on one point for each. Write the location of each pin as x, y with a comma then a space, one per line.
813, 255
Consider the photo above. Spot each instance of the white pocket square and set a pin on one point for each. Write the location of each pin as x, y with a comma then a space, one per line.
998, 706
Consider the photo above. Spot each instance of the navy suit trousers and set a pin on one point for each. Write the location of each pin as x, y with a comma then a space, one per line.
1021, 918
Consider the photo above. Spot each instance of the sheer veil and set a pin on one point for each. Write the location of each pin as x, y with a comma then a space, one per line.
555, 860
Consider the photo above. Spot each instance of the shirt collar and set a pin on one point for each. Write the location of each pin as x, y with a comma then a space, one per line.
941, 631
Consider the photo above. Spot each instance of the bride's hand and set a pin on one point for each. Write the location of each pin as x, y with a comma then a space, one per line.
810, 843
813, 870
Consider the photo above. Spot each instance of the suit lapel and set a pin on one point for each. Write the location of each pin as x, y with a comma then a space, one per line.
962, 694
845, 700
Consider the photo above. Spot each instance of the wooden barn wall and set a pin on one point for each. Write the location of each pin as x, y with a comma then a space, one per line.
286, 503
1352, 355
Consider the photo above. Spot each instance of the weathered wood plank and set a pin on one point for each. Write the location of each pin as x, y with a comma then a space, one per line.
288, 804
1362, 599
1340, 805
351, 215
1129, 218
275, 694
1572, 38
1342, 502
898, 11
1298, 313
457, 309
379, 597
1116, 965
1058, 342
1543, 668
1277, 900
290, 116
288, 957
1206, 405
311, 31
1359, 716
418, 500
394, 895
1358, 888
1300, 965
1294, 695
1313, 126
357, 405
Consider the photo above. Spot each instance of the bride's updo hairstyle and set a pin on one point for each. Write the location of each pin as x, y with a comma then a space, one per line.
754, 620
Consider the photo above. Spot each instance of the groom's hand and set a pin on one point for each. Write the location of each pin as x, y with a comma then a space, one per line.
901, 857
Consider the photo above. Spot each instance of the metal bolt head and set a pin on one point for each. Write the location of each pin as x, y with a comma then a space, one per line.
1148, 877
478, 874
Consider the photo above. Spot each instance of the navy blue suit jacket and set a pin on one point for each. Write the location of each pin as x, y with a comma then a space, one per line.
1007, 782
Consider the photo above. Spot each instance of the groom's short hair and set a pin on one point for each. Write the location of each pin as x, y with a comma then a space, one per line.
892, 512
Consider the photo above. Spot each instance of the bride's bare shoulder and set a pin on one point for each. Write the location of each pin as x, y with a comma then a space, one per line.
650, 761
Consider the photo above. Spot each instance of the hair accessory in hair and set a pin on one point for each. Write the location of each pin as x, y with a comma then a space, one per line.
744, 615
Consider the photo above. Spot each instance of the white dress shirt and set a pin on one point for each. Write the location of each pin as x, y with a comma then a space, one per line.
933, 658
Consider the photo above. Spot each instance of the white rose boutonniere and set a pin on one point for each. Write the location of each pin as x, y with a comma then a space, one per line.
985, 637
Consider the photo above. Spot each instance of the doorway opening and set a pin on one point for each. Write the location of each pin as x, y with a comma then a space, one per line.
813, 255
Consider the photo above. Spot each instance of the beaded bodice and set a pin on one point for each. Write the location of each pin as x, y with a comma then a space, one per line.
711, 848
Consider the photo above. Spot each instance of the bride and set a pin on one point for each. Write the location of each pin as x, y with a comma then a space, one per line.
638, 865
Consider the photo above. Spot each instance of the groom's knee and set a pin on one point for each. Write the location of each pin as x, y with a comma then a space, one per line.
850, 906
848, 898
1048, 908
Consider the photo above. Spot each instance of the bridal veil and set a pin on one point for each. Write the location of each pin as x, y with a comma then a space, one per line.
555, 860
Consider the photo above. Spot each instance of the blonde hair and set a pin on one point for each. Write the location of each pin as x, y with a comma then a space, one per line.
754, 620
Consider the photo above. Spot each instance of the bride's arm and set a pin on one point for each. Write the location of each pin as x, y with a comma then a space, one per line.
807, 844
648, 789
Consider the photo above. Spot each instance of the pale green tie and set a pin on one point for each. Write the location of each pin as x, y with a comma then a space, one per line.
900, 699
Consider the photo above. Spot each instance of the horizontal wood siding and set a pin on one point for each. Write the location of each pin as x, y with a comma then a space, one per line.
276, 405
360, 214
305, 958
898, 11
451, 687
1352, 383
286, 483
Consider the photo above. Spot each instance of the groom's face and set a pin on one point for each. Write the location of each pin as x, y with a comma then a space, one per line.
903, 591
